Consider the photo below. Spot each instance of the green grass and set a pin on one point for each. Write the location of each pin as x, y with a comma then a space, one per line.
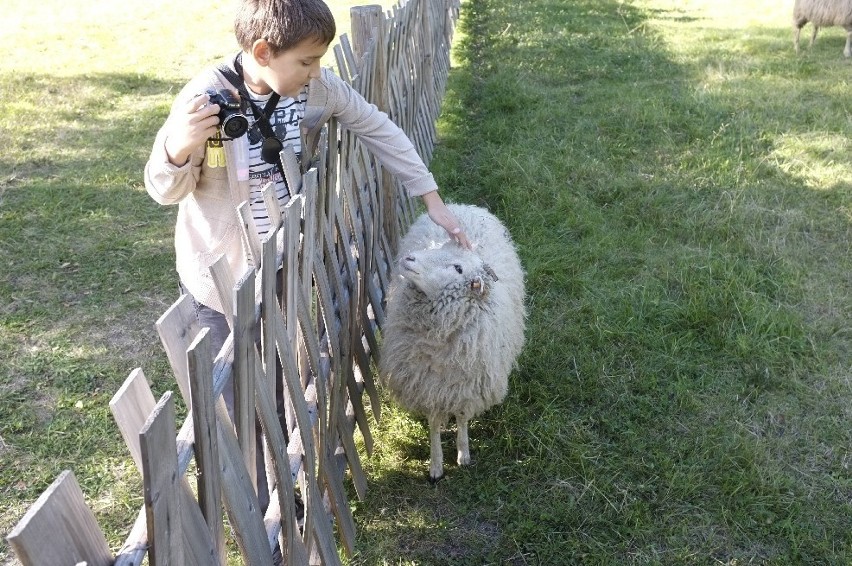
679, 185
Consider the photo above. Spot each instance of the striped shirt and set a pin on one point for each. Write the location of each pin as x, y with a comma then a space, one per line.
285, 121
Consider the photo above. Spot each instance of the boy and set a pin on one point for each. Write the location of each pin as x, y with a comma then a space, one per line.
282, 42
278, 72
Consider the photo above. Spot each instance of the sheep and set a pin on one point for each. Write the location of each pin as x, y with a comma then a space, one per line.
822, 13
454, 325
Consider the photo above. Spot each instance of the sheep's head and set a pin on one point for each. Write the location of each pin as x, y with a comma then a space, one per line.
448, 272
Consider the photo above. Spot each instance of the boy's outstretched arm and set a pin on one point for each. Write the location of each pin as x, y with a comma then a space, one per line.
441, 215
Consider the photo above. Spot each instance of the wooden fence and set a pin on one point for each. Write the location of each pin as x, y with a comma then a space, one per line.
331, 255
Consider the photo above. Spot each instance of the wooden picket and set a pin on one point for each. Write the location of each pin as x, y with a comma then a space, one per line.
60, 529
317, 291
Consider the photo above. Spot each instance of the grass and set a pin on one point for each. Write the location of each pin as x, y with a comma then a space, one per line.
679, 185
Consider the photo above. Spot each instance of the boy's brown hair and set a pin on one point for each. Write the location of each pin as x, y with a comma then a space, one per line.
283, 23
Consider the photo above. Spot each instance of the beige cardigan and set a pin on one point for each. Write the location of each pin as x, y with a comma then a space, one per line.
208, 224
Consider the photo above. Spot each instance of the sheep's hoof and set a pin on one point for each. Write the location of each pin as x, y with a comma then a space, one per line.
435, 479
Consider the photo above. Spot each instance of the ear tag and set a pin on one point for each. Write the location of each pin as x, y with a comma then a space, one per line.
490, 272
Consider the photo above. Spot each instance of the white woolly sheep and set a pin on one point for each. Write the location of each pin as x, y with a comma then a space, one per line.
454, 325
823, 13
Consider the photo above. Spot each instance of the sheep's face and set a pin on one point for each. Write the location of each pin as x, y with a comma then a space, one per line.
448, 270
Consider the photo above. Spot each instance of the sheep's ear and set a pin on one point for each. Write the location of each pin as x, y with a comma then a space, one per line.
477, 285
490, 272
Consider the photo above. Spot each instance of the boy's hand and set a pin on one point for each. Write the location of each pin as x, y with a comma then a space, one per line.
441, 215
190, 128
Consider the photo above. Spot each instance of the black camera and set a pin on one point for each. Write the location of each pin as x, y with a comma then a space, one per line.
233, 122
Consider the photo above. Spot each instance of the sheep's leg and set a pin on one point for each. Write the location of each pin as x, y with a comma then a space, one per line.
462, 445
813, 35
796, 32
436, 460
847, 51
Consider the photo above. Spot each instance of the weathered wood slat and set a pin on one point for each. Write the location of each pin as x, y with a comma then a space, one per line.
270, 200
292, 548
312, 324
268, 388
339, 399
162, 484
60, 529
334, 482
249, 231
369, 23
224, 281
343, 70
296, 395
329, 441
239, 495
244, 371
292, 170
177, 327
343, 229
135, 546
131, 406
355, 69
200, 368
346, 429
280, 467
363, 199
356, 202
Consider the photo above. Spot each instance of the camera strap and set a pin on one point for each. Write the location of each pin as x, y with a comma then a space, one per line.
271, 147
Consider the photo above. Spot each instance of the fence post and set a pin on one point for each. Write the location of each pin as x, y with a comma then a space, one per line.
244, 371
131, 406
199, 363
369, 23
162, 484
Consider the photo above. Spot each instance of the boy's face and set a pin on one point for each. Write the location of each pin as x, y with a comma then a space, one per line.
289, 71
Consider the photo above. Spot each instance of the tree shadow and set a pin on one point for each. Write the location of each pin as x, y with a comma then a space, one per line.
678, 208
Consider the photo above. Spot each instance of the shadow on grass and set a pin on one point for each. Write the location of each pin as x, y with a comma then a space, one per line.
88, 267
72, 205
682, 220
84, 128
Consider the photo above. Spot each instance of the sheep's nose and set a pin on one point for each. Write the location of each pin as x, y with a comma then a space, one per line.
409, 258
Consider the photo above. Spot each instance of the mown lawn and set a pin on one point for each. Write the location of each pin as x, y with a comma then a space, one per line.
679, 184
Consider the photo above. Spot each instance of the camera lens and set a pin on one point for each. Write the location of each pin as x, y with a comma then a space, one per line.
235, 126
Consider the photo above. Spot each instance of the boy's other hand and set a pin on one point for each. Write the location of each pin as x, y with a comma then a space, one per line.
443, 217
190, 127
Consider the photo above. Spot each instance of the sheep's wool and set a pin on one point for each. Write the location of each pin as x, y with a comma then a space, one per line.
455, 318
